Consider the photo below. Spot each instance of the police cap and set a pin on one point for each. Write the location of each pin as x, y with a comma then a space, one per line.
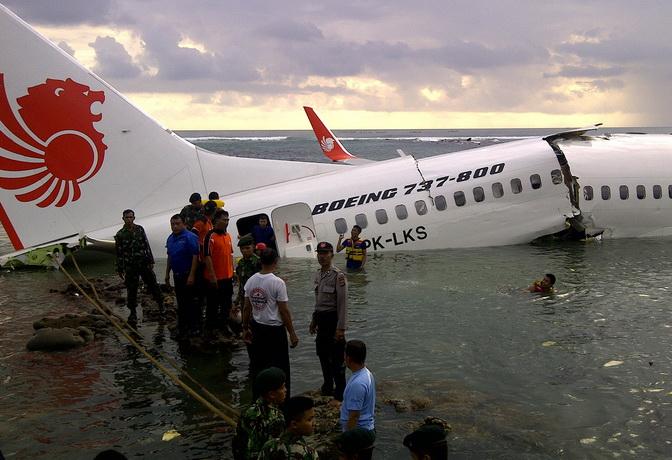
324, 246
269, 379
425, 437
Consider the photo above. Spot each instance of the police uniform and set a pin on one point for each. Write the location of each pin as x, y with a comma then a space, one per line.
134, 261
331, 294
286, 447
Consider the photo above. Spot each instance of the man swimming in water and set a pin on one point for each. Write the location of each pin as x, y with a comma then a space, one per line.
545, 285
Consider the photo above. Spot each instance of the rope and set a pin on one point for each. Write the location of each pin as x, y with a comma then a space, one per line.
213, 399
142, 350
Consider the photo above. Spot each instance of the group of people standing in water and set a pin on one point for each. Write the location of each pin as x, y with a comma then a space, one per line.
200, 257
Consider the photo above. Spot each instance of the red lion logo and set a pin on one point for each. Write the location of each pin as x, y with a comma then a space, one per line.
53, 147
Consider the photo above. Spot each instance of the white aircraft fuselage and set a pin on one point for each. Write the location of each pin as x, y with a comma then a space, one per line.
74, 153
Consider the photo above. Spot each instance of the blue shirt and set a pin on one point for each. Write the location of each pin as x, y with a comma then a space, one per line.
264, 235
181, 249
359, 395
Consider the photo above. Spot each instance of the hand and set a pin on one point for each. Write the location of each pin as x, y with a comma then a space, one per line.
340, 237
247, 336
340, 335
213, 284
341, 280
293, 341
312, 328
190, 280
167, 280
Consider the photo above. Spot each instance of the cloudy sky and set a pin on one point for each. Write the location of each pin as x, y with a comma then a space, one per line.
215, 64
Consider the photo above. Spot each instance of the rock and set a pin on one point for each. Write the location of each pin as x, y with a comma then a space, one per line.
400, 405
86, 333
420, 403
52, 339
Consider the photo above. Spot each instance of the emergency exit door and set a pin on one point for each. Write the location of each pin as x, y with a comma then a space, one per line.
294, 230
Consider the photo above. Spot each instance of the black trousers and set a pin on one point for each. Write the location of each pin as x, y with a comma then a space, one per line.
218, 304
331, 353
132, 280
188, 312
269, 348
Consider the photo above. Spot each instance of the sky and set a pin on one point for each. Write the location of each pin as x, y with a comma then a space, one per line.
368, 64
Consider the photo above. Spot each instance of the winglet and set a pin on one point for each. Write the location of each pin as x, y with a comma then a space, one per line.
330, 145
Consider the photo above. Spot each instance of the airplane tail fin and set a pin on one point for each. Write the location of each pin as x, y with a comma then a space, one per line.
74, 152
330, 145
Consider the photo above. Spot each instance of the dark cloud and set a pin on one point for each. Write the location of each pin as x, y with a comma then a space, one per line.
292, 30
67, 48
112, 59
72, 12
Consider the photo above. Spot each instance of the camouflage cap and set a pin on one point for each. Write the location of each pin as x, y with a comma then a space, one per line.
245, 240
269, 379
425, 437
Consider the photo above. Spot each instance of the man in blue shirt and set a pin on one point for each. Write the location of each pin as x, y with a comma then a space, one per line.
359, 397
182, 246
263, 233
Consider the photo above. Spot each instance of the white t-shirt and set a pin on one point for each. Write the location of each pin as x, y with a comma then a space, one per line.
264, 292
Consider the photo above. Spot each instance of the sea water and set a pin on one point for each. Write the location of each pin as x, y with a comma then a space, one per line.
583, 373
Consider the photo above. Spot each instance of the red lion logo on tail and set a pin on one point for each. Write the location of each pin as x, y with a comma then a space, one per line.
56, 148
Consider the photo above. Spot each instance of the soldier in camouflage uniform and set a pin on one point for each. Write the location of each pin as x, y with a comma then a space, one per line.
300, 420
263, 420
135, 261
247, 266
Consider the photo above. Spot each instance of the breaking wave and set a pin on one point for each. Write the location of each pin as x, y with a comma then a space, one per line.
228, 138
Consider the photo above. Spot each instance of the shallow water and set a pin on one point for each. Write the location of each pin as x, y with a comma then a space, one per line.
518, 375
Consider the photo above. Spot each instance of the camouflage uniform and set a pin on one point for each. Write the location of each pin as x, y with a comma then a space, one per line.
135, 260
258, 423
287, 447
244, 270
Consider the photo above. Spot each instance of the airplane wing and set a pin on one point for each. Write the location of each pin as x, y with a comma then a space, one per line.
330, 145
577, 132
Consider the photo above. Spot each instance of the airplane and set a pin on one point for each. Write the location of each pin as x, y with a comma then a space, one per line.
74, 153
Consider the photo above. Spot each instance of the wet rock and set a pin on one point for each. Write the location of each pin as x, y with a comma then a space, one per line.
327, 425
400, 405
51, 339
97, 323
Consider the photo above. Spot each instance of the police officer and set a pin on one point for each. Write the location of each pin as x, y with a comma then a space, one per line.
330, 321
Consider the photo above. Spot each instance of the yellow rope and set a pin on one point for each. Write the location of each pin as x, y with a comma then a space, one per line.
235, 413
153, 360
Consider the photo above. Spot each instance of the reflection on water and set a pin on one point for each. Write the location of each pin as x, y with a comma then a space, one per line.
517, 374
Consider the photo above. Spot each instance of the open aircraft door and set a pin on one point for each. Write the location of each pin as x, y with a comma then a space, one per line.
294, 230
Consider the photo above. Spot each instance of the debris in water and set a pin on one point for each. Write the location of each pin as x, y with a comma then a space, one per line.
169, 435
549, 343
587, 441
613, 363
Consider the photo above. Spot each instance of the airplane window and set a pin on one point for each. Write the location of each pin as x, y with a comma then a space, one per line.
421, 207
461, 200
516, 186
497, 190
479, 194
556, 176
440, 203
641, 192
669, 191
657, 192
535, 181
606, 192
401, 211
381, 216
623, 192
587, 193
341, 225
360, 219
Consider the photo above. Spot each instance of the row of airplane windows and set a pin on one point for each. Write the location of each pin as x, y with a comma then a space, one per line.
624, 192
441, 203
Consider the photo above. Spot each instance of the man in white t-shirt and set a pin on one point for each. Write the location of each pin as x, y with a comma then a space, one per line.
267, 319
